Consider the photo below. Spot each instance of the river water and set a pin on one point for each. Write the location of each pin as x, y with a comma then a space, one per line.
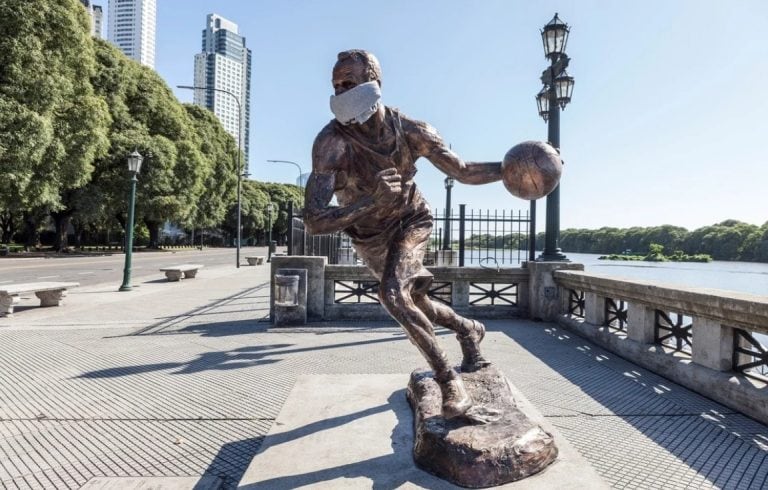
744, 277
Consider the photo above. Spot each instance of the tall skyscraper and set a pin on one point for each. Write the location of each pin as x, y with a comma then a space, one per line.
225, 64
97, 15
132, 28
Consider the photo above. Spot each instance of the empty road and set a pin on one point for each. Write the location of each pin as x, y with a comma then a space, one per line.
91, 270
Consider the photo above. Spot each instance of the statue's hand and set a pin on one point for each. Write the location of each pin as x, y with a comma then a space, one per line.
389, 187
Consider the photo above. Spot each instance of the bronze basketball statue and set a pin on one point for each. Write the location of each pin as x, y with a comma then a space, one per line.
531, 170
366, 157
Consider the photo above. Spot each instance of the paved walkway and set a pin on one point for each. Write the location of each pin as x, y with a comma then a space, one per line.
185, 379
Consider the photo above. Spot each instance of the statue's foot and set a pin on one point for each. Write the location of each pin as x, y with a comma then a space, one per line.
456, 400
470, 340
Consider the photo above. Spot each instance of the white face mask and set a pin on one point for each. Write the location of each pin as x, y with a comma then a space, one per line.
357, 104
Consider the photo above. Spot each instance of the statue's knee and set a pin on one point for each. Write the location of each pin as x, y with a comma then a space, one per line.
391, 297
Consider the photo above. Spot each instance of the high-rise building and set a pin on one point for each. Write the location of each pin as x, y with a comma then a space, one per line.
225, 64
97, 15
132, 28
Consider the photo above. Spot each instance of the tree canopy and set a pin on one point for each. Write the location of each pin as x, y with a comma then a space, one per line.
729, 240
52, 124
72, 108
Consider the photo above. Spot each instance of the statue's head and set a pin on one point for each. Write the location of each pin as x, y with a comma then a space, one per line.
357, 87
355, 67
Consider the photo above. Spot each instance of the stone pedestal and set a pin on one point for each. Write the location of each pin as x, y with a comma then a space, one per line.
7, 304
545, 297
477, 456
315, 267
51, 298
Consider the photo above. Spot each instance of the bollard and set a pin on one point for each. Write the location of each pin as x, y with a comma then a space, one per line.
271, 250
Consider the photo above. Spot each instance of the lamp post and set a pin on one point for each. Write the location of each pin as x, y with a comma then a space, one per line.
556, 94
301, 172
447, 228
134, 165
269, 231
239, 157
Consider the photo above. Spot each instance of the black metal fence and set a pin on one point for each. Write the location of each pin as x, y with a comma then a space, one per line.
483, 237
489, 238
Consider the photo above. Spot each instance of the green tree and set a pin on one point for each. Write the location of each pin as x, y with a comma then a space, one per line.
219, 152
52, 125
177, 166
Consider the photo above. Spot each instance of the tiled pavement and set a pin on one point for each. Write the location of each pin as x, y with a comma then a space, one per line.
189, 381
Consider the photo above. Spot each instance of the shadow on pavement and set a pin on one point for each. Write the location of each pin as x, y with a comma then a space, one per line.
699, 438
242, 357
385, 472
171, 324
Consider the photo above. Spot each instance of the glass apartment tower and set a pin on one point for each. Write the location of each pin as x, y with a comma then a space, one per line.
132, 28
225, 64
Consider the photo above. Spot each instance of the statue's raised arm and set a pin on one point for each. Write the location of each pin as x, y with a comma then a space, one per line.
430, 145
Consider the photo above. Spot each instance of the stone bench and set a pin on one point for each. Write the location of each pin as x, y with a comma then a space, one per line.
176, 272
50, 294
256, 260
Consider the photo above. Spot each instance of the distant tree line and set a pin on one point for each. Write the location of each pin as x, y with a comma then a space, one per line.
72, 108
729, 240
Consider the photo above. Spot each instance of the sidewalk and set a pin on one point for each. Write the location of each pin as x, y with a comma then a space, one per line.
185, 379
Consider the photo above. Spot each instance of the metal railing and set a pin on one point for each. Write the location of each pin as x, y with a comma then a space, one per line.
488, 238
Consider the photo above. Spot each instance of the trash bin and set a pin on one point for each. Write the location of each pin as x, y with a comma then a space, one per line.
289, 297
286, 291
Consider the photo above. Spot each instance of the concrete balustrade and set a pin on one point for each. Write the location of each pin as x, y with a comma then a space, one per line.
715, 317
461, 292
453, 285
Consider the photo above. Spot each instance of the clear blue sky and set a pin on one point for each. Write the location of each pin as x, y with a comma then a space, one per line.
666, 125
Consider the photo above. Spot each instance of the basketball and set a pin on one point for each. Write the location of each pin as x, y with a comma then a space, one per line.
531, 170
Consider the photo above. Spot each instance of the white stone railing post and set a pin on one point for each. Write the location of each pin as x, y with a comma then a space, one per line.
641, 323
742, 358
460, 293
712, 344
594, 309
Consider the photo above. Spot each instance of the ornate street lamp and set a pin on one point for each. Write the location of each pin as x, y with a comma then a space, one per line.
563, 89
447, 228
554, 35
556, 94
134, 166
542, 101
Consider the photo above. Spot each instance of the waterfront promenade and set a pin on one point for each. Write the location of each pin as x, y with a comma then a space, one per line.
186, 379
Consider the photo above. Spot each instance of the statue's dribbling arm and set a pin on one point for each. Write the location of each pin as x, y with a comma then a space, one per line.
320, 217
430, 145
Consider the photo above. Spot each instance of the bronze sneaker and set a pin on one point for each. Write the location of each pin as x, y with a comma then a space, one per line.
456, 400
473, 360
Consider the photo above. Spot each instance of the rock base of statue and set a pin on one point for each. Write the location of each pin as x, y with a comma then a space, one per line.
471, 454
